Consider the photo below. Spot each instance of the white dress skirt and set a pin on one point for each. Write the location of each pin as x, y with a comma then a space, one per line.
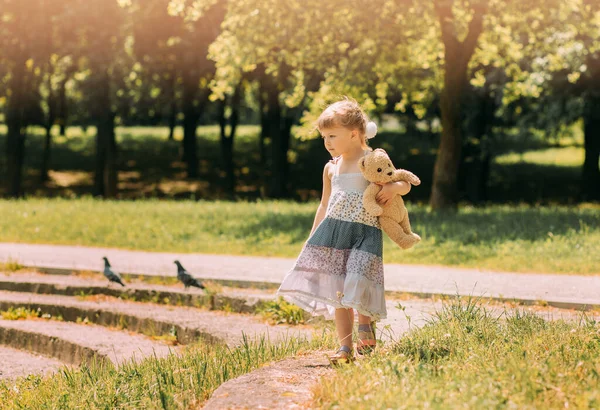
341, 264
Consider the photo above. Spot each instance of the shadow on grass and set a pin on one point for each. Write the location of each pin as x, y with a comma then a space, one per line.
502, 224
468, 226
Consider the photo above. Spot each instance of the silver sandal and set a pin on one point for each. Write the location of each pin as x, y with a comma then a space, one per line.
343, 355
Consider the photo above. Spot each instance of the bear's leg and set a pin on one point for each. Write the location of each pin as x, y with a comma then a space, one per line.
395, 232
405, 224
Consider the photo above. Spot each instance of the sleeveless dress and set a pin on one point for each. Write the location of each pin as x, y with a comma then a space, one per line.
341, 264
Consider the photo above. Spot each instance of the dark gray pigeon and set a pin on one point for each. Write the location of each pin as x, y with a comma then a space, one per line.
110, 274
185, 278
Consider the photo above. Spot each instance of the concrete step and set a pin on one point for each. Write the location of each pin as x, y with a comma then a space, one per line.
17, 363
77, 344
189, 324
235, 300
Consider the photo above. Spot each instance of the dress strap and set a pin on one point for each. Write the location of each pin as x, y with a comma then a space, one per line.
336, 165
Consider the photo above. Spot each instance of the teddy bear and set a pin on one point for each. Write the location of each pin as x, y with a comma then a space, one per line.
377, 168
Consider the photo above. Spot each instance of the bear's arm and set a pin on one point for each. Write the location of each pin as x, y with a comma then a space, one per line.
404, 175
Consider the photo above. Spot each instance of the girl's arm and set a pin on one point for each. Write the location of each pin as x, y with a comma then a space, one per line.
322, 209
391, 189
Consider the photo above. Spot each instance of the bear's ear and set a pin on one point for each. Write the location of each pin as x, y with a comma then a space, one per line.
379, 150
361, 164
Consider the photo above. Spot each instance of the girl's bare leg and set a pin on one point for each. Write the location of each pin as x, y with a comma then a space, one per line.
366, 335
364, 320
344, 322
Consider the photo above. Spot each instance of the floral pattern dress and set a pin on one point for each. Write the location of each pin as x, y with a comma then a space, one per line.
341, 264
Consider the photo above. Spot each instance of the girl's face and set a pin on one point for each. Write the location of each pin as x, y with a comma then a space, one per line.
340, 140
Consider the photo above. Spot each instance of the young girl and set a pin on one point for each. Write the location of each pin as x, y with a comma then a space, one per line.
340, 268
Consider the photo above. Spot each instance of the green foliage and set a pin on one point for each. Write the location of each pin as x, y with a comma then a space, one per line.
279, 311
466, 357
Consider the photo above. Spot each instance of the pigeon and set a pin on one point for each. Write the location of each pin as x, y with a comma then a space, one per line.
185, 278
110, 274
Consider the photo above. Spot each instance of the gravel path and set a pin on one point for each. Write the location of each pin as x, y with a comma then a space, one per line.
403, 278
16, 363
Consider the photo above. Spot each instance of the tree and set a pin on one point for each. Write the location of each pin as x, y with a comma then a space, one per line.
24, 55
203, 21
457, 55
563, 71
228, 135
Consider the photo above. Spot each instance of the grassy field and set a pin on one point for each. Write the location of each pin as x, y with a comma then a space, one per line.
176, 382
466, 358
531, 170
499, 237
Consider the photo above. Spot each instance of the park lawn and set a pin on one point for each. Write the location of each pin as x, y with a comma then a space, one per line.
177, 382
469, 359
561, 239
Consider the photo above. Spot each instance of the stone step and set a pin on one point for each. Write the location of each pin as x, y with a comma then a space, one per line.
188, 324
234, 300
285, 384
17, 363
77, 344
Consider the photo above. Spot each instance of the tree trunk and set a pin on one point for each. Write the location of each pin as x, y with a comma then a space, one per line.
15, 152
444, 192
286, 136
277, 183
100, 160
62, 107
106, 176
46, 155
173, 109
264, 128
111, 177
190, 143
172, 120
15, 139
476, 156
227, 140
590, 179
190, 125
50, 119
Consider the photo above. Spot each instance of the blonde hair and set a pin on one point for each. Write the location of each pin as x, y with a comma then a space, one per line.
346, 113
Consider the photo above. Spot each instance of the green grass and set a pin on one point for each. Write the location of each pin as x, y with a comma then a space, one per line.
19, 313
279, 311
10, 266
175, 382
564, 157
559, 239
467, 358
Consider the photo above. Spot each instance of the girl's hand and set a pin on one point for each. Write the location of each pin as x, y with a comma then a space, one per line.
391, 189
